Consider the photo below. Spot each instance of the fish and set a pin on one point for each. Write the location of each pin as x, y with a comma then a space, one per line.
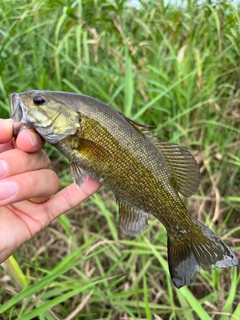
145, 173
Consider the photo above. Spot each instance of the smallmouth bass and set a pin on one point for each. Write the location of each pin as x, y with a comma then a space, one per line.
145, 174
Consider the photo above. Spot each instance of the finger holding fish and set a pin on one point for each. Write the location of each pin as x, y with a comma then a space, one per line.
15, 161
21, 169
22, 220
28, 202
27, 140
70, 197
36, 185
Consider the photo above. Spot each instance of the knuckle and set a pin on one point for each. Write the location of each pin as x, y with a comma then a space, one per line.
52, 176
67, 197
45, 159
45, 182
33, 180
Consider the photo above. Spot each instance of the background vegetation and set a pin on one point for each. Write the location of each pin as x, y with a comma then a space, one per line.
174, 67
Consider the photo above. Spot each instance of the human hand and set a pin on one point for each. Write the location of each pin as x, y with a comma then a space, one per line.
24, 174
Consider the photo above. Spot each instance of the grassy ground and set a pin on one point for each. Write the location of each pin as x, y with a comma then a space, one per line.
176, 68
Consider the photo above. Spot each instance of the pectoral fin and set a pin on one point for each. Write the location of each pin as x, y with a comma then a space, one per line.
132, 220
90, 149
79, 175
84, 154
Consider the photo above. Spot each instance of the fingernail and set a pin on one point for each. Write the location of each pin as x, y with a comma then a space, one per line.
34, 139
7, 189
3, 168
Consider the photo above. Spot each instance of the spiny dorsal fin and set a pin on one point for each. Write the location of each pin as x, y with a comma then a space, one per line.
185, 170
143, 129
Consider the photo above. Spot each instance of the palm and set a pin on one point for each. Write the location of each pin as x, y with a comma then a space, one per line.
16, 227
19, 222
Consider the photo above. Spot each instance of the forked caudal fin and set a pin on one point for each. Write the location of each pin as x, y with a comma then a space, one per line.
200, 248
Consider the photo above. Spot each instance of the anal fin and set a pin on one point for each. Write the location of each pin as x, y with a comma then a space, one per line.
132, 220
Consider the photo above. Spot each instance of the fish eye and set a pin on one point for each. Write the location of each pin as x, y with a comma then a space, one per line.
38, 100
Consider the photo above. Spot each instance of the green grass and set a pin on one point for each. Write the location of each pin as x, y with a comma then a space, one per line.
175, 68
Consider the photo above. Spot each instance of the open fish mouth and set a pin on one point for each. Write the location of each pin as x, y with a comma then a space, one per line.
19, 114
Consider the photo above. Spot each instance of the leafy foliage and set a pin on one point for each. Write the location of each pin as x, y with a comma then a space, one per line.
174, 67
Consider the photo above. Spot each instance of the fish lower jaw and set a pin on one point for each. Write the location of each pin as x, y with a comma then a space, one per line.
19, 126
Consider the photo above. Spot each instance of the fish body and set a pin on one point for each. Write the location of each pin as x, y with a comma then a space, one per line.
145, 174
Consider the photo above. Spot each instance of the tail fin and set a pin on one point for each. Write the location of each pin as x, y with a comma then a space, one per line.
198, 248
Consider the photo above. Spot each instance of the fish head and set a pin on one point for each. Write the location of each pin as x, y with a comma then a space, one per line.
46, 111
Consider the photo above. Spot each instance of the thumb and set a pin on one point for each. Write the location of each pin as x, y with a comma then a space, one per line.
29, 141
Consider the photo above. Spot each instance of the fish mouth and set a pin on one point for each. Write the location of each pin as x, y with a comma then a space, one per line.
19, 114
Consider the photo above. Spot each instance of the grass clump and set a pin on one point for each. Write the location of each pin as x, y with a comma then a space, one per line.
173, 67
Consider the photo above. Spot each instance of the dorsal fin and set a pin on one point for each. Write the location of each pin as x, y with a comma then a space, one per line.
185, 170
143, 129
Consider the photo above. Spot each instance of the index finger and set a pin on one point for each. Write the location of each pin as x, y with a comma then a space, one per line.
69, 198
38, 215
